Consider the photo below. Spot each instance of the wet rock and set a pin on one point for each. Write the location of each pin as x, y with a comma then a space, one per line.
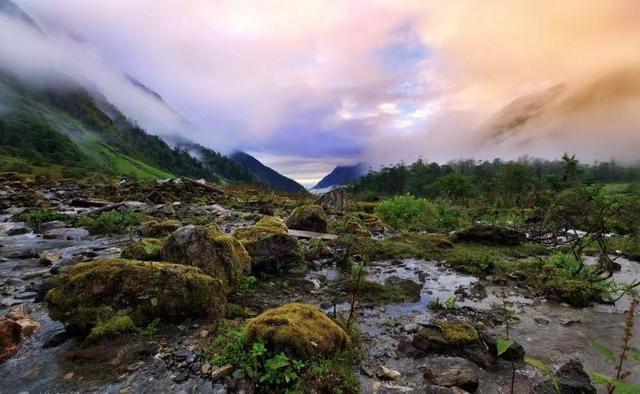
84, 292
157, 229
270, 246
88, 203
301, 330
17, 229
387, 373
50, 257
572, 379
44, 227
221, 372
408, 288
28, 326
70, 234
515, 352
333, 201
9, 338
149, 249
19, 312
452, 372
490, 234
308, 218
206, 247
29, 253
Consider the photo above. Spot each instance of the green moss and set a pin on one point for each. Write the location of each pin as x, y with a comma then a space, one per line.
112, 222
148, 249
301, 329
383, 293
145, 290
154, 228
308, 218
353, 227
114, 326
459, 333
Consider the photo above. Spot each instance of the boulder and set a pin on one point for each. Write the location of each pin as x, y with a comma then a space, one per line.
333, 201
69, 234
148, 249
87, 292
353, 227
515, 352
572, 379
18, 312
157, 229
409, 289
46, 226
17, 229
489, 234
308, 218
300, 330
270, 246
206, 247
30, 253
9, 338
27, 326
88, 203
50, 257
452, 372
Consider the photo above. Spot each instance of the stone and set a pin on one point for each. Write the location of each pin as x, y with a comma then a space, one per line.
17, 229
333, 201
206, 247
221, 372
69, 234
515, 352
157, 229
572, 379
30, 253
387, 373
270, 246
50, 257
355, 228
148, 249
88, 203
85, 292
408, 288
489, 234
308, 218
301, 330
9, 338
452, 372
44, 227
18, 312
28, 326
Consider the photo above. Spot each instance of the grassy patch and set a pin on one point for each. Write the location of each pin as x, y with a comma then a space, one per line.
113, 222
36, 217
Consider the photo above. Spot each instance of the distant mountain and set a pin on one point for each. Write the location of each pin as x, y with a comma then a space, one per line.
341, 175
567, 108
265, 175
218, 163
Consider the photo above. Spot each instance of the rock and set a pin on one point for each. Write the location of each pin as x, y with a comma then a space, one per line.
28, 326
221, 372
353, 227
300, 330
30, 253
50, 258
333, 201
409, 289
206, 247
88, 203
18, 312
148, 249
70, 234
515, 352
308, 218
270, 246
490, 234
452, 372
87, 291
157, 229
44, 227
9, 338
387, 373
572, 379
17, 229
445, 336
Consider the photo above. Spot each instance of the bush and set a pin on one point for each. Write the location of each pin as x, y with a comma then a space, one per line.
113, 222
417, 214
36, 217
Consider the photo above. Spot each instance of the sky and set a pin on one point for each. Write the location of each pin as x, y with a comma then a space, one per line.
306, 85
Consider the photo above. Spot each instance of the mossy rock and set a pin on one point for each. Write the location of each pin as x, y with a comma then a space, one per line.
81, 294
300, 330
373, 223
156, 229
119, 324
446, 336
270, 246
206, 247
353, 227
148, 249
394, 290
489, 234
308, 218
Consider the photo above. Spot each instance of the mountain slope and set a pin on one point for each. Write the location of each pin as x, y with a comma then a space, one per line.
265, 175
341, 175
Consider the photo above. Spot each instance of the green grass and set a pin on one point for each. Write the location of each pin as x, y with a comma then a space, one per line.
121, 164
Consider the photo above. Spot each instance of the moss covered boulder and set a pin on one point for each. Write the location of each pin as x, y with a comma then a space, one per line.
308, 218
148, 249
86, 293
206, 247
301, 330
489, 234
270, 246
355, 228
154, 228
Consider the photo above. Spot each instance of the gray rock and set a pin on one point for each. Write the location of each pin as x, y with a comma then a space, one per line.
572, 379
72, 233
452, 372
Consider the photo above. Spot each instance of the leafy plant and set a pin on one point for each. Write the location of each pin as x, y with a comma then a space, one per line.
112, 222
150, 329
245, 286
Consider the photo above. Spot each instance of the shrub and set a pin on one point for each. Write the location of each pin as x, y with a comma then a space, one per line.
417, 214
36, 217
113, 222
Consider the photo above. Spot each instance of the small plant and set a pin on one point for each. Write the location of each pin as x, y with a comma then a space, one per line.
357, 270
617, 383
113, 222
438, 305
151, 328
245, 286
36, 217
